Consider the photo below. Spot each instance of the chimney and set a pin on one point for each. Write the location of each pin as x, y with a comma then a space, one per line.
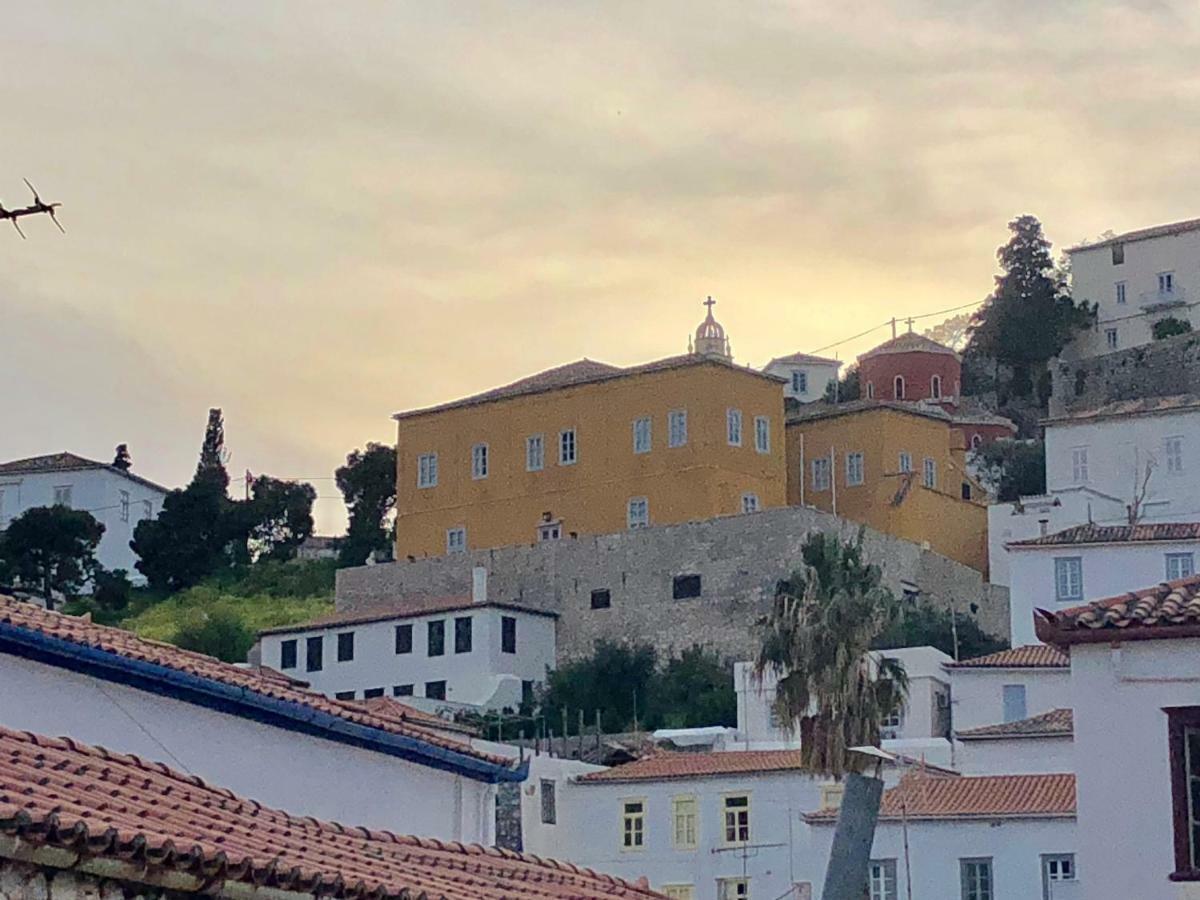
479, 585
1044, 526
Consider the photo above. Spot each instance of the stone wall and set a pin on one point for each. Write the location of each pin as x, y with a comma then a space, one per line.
25, 881
739, 560
1160, 369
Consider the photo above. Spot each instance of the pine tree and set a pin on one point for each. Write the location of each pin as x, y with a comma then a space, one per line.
210, 470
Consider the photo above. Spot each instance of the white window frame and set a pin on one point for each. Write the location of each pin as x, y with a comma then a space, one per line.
1166, 282
637, 512
1052, 870
799, 381
632, 824
124, 501
733, 427
1112, 338
749, 503
737, 888
899, 389
479, 461
147, 509
1121, 293
855, 469
643, 434
762, 434
62, 495
929, 473
427, 470
882, 881
870, 390
677, 428
549, 531
1180, 565
679, 891
821, 474
905, 462
1173, 453
456, 539
535, 453
736, 818
935, 387
1068, 579
568, 447
685, 822
972, 890
1079, 465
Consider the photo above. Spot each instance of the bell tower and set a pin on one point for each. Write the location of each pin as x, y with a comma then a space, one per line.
710, 336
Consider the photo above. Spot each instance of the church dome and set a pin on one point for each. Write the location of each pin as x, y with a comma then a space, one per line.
711, 339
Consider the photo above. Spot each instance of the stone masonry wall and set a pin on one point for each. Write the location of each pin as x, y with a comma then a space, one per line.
25, 881
739, 559
1160, 369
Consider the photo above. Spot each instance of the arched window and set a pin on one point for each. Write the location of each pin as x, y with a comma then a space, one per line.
976, 441
870, 390
935, 387
898, 388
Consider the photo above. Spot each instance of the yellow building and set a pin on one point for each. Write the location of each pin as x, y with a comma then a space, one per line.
897, 467
589, 448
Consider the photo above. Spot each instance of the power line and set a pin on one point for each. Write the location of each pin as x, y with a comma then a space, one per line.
885, 323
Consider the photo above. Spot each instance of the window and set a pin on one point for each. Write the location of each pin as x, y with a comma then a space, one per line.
601, 599
527, 697
1014, 702
930, 467
1079, 465
456, 540
733, 427
898, 387
550, 531
402, 690
314, 650
1110, 338
435, 639
1166, 282
549, 809
462, 635
881, 877
935, 387
679, 892
684, 587
976, 441
345, 646
832, 794
733, 889
535, 453
749, 503
799, 382
677, 428
643, 439
638, 512
435, 690
1068, 579
567, 451
891, 724
736, 809
1173, 452
404, 638
976, 879
479, 461
1056, 867
854, 469
372, 693
1120, 293
1183, 739
683, 822
966, 490
1180, 565
870, 390
508, 634
124, 495
147, 509
762, 434
633, 824
905, 462
820, 474
62, 495
1118, 254
344, 695
287, 655
427, 470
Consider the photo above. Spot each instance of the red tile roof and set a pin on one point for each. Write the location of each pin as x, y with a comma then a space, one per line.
799, 359
1031, 656
908, 343
822, 410
933, 797
1142, 406
1167, 610
262, 682
1056, 723
671, 765
1141, 234
1116, 534
390, 708
69, 462
61, 793
407, 608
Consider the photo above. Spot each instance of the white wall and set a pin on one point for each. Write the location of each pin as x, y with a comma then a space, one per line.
1015, 756
819, 377
302, 774
978, 694
98, 491
1108, 570
476, 678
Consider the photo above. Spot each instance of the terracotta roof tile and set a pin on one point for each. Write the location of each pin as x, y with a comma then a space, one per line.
922, 796
69, 462
390, 708
823, 410
1116, 534
1056, 723
1142, 406
797, 359
32, 620
402, 609
670, 765
1171, 609
63, 793
908, 343
1031, 656
1141, 234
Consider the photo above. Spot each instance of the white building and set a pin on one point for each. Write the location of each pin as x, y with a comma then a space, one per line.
1135, 685
252, 730
436, 652
1089, 562
806, 376
1136, 279
118, 499
1096, 465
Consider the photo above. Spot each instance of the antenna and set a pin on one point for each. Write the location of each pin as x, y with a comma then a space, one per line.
38, 207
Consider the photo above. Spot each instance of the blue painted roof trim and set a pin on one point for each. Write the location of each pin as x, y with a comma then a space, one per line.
246, 703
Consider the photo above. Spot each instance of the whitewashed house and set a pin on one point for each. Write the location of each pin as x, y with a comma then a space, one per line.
254, 731
1136, 279
1135, 685
1089, 562
117, 498
805, 376
445, 652
1097, 462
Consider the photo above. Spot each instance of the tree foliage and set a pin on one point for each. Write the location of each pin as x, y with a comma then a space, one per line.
220, 633
210, 470
816, 640
112, 590
280, 516
845, 389
1169, 327
1012, 469
368, 484
925, 625
51, 548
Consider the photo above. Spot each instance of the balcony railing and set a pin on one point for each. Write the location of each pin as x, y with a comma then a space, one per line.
1162, 299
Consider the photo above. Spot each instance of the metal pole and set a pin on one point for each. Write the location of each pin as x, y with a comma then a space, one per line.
907, 861
833, 478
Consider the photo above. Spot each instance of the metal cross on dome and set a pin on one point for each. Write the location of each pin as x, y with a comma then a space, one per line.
710, 303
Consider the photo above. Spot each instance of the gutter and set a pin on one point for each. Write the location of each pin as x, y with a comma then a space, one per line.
246, 703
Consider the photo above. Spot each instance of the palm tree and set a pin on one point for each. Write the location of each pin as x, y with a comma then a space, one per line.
817, 642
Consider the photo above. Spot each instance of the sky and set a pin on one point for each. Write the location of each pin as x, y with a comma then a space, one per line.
313, 215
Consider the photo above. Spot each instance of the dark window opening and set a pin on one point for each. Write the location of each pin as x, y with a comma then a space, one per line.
344, 695
437, 638
508, 634
287, 655
402, 690
435, 690
314, 652
371, 693
1118, 254
404, 639
601, 599
345, 646
966, 490
462, 635
1183, 736
549, 808
685, 587
527, 694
